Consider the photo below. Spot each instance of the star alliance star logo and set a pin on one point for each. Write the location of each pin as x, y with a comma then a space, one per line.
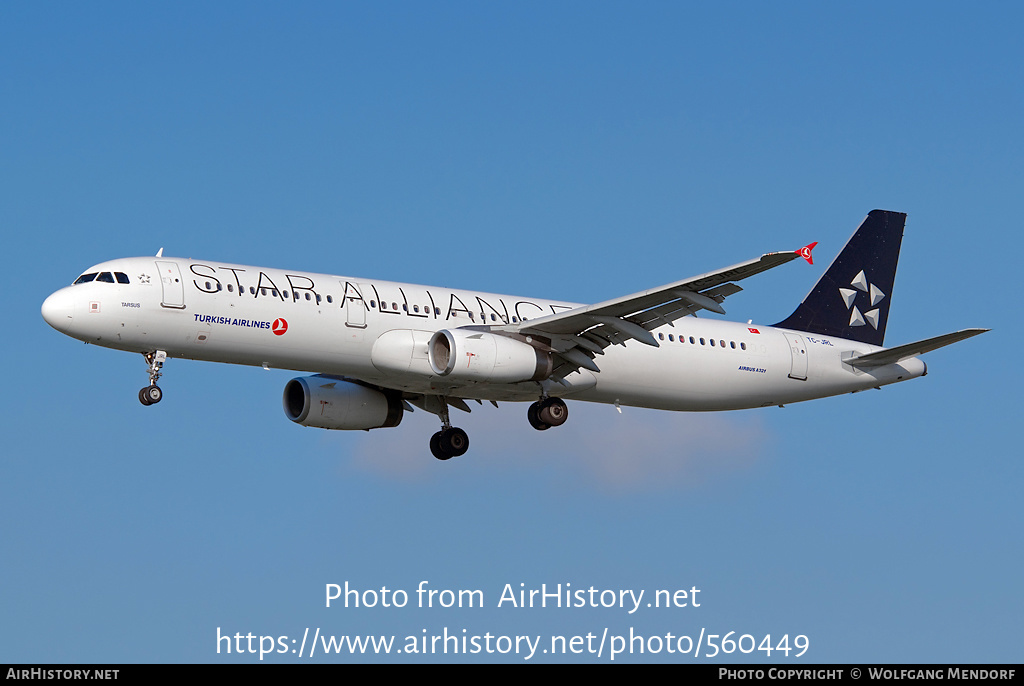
143, 278
860, 283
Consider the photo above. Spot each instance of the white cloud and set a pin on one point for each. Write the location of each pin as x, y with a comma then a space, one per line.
637, 451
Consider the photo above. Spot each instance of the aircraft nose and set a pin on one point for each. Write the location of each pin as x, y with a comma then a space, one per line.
59, 310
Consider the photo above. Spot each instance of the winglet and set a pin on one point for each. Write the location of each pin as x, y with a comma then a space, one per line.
805, 252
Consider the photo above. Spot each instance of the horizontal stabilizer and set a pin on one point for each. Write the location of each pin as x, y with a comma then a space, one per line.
902, 352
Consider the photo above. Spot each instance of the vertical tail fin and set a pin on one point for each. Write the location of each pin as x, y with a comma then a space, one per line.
852, 299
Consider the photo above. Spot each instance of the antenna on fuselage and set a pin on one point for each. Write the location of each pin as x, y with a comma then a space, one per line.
160, 252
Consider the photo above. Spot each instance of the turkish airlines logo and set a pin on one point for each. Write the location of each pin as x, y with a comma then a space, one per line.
279, 327
805, 252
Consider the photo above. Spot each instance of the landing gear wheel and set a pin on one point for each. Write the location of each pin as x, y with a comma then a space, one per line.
455, 441
553, 412
435, 447
449, 443
533, 414
150, 395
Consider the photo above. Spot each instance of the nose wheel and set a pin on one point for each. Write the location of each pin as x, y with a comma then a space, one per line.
547, 413
151, 394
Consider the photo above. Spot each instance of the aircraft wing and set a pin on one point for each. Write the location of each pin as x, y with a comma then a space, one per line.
578, 335
902, 352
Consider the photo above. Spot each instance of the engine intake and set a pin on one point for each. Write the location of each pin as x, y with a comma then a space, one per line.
330, 403
480, 356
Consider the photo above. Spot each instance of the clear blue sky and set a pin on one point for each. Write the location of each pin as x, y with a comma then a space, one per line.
579, 151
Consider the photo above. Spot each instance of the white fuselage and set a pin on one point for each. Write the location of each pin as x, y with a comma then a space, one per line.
358, 328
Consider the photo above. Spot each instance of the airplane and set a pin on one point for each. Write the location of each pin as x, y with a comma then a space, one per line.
379, 348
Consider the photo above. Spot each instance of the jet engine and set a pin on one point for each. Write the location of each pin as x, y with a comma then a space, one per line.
330, 403
465, 354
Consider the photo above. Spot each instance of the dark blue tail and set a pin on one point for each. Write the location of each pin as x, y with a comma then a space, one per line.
852, 299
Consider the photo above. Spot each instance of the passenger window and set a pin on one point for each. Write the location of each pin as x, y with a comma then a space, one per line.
284, 293
330, 299
121, 277
252, 290
308, 297
712, 342
691, 340
106, 277
732, 344
671, 338
702, 341
743, 346
722, 343
661, 336
415, 308
85, 278
231, 288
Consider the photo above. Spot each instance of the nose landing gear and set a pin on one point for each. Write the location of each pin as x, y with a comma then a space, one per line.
151, 394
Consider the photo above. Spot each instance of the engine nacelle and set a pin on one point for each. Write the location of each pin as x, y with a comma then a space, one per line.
329, 403
470, 355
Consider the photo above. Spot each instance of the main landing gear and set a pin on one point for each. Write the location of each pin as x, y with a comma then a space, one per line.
151, 394
547, 412
450, 441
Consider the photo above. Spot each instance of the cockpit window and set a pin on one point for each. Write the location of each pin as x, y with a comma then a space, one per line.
105, 277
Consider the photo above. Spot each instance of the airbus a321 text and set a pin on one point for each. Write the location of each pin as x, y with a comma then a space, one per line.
379, 348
